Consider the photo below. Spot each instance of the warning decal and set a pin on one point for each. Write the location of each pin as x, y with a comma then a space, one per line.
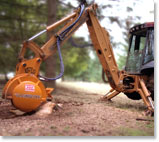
30, 87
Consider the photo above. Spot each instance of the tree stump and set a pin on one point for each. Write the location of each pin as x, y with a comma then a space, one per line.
46, 109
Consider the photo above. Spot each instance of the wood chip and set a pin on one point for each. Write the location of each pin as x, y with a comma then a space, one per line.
16, 112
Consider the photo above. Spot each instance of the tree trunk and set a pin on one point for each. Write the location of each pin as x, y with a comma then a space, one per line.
51, 61
6, 77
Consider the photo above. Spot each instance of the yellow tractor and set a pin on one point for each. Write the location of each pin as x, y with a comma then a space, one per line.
27, 92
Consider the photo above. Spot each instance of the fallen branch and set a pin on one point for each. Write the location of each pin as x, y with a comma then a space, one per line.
143, 119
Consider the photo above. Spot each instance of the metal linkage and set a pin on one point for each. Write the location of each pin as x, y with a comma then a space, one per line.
37, 35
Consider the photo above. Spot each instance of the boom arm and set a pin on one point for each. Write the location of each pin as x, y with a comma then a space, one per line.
101, 42
99, 37
50, 47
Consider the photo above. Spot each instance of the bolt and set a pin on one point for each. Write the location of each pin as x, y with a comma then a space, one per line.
24, 65
113, 70
110, 56
38, 60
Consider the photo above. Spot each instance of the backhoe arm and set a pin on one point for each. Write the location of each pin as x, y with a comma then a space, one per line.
101, 43
50, 47
99, 37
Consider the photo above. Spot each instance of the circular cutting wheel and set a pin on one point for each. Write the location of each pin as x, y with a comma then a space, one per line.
26, 92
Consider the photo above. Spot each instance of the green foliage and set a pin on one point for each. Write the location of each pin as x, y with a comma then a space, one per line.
19, 21
122, 58
75, 60
94, 72
6, 61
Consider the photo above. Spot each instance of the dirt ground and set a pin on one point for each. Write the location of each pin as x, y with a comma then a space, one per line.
82, 114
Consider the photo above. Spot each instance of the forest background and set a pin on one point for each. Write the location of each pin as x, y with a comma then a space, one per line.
20, 20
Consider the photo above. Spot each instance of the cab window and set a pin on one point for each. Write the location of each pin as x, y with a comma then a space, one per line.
149, 49
135, 54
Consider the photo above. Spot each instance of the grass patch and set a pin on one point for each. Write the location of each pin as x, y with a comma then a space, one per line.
123, 131
66, 129
150, 125
129, 106
53, 127
69, 113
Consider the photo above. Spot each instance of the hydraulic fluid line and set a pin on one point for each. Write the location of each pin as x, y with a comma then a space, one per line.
63, 33
60, 37
61, 65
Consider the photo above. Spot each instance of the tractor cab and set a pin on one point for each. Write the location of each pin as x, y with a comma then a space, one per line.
141, 49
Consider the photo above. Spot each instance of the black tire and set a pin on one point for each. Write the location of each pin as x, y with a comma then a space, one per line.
133, 96
149, 85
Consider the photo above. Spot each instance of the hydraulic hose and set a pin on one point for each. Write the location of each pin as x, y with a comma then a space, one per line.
61, 65
60, 37
63, 33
